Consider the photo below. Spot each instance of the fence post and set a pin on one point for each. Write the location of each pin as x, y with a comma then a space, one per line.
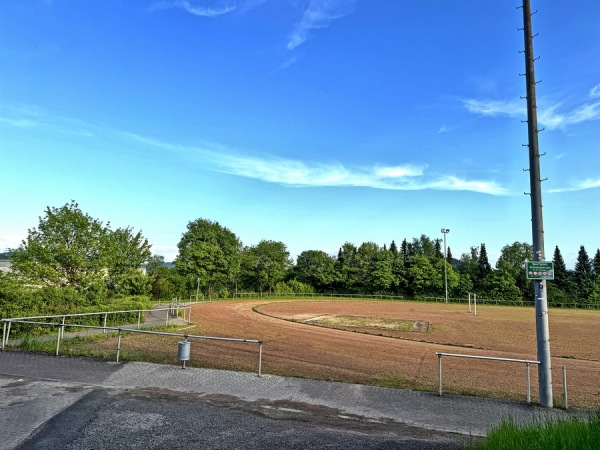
439, 355
260, 358
139, 318
8, 333
3, 336
119, 345
58, 339
62, 335
565, 388
528, 383
105, 318
475, 303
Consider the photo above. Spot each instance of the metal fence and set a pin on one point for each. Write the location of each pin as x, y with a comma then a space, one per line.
527, 363
171, 312
481, 301
120, 330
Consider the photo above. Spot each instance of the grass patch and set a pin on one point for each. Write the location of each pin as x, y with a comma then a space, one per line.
570, 433
364, 322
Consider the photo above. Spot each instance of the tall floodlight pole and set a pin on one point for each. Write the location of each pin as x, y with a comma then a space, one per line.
541, 302
445, 231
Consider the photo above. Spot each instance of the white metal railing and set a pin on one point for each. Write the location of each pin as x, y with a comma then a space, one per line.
171, 311
120, 330
527, 363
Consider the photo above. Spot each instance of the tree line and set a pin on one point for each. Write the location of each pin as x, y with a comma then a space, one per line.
74, 260
213, 261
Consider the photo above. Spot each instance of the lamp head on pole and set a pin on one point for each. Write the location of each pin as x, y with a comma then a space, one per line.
445, 230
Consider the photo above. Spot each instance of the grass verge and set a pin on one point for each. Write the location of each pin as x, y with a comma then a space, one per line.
569, 433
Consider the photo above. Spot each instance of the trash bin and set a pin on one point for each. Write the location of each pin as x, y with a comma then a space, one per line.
183, 352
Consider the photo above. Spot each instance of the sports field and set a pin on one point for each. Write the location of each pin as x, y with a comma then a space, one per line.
393, 343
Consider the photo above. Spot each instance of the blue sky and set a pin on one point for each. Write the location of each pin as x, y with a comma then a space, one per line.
311, 122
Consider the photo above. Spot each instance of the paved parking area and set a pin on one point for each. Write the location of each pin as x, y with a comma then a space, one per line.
74, 402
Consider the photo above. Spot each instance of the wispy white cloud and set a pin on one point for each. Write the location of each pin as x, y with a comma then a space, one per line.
30, 117
549, 116
319, 14
289, 62
595, 91
18, 122
300, 174
273, 169
494, 108
582, 185
199, 8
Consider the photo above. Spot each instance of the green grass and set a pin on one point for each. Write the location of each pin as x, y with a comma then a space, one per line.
572, 433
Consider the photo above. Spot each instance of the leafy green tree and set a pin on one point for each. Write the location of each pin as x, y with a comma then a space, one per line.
383, 275
317, 268
463, 287
267, 264
166, 282
66, 249
512, 261
293, 287
70, 248
347, 269
438, 285
128, 251
423, 246
584, 275
366, 256
500, 285
468, 266
422, 278
211, 253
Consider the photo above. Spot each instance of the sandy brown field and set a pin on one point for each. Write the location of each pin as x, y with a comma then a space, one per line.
406, 360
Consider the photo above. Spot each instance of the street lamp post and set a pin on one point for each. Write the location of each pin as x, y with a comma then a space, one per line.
445, 231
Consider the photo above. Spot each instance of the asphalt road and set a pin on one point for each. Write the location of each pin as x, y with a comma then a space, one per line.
49, 402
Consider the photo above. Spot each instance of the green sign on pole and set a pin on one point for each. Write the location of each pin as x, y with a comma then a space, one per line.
539, 270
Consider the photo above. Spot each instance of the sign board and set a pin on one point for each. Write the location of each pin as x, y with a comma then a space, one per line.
539, 270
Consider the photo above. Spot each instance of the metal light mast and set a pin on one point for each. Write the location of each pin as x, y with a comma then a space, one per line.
445, 231
541, 303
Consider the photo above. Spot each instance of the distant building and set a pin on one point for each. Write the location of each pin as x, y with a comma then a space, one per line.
5, 265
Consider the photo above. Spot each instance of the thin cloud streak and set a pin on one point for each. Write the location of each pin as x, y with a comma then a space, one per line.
547, 117
285, 172
579, 186
595, 91
197, 10
24, 117
319, 14
298, 174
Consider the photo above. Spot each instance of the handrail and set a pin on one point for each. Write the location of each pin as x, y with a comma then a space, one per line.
61, 326
527, 362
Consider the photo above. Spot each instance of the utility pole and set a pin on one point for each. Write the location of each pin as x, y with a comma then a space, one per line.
537, 225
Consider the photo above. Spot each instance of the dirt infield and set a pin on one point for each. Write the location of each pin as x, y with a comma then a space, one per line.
406, 360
